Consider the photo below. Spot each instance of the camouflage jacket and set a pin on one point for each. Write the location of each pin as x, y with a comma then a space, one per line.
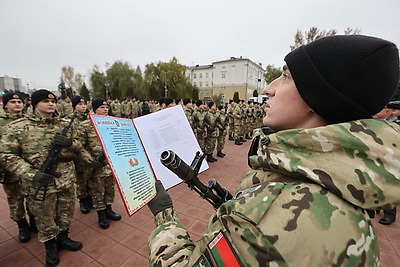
211, 123
198, 121
5, 118
87, 136
189, 116
302, 203
25, 145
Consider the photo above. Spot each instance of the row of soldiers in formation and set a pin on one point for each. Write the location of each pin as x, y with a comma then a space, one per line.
210, 123
29, 132
28, 141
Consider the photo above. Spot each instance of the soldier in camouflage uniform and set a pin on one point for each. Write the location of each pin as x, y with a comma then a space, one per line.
212, 131
237, 122
200, 125
116, 107
313, 184
188, 109
24, 147
229, 113
126, 108
66, 109
101, 183
13, 106
82, 184
222, 124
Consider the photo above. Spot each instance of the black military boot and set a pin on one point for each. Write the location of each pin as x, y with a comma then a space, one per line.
213, 158
220, 154
32, 224
111, 214
231, 138
210, 158
237, 142
90, 202
242, 139
24, 234
103, 221
51, 253
84, 205
64, 242
247, 136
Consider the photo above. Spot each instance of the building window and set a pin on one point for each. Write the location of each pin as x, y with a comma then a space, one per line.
206, 74
194, 75
194, 84
206, 84
233, 66
222, 87
223, 67
206, 92
201, 75
223, 75
200, 84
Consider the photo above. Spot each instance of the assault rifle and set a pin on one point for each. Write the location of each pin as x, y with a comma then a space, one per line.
50, 165
212, 193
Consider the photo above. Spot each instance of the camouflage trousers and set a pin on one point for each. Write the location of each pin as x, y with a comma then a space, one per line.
102, 189
202, 144
210, 145
237, 129
221, 142
15, 200
231, 127
82, 185
54, 214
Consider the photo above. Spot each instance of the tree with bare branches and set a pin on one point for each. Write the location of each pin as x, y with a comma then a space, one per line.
314, 33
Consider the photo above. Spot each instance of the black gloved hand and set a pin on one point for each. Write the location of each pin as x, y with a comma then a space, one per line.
161, 201
62, 140
43, 178
96, 165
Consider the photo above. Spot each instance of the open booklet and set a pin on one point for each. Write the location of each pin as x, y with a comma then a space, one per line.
133, 147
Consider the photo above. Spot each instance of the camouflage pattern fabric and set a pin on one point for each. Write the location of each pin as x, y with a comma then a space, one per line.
54, 214
23, 150
212, 131
237, 122
116, 108
302, 203
101, 183
189, 116
223, 130
200, 127
82, 186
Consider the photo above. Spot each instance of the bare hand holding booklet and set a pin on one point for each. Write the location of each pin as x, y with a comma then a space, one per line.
133, 150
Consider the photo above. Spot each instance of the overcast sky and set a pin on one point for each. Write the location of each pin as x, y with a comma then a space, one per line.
38, 37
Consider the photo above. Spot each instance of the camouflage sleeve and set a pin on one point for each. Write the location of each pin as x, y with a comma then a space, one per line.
170, 242
10, 158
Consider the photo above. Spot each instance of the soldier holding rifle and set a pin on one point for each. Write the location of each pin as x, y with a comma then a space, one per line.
24, 150
315, 182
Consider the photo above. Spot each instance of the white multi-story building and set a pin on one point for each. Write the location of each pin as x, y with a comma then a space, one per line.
226, 77
10, 84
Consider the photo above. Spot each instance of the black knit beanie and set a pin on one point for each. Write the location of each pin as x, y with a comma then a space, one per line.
11, 95
76, 100
198, 103
40, 95
97, 102
186, 101
168, 100
210, 104
345, 77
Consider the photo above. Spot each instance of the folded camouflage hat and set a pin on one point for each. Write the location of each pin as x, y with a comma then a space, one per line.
11, 95
345, 77
40, 95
